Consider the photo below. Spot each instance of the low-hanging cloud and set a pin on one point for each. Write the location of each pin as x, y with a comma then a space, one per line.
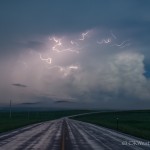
19, 85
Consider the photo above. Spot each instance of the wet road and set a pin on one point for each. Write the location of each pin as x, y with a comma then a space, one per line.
67, 134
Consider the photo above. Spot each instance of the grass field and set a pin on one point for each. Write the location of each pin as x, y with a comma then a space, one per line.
136, 123
19, 119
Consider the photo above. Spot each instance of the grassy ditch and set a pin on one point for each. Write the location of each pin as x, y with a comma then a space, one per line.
135, 123
19, 119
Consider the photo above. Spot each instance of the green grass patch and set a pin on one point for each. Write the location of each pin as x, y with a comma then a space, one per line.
135, 123
20, 119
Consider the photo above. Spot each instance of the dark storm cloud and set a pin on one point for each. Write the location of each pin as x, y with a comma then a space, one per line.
63, 101
55, 16
19, 85
30, 103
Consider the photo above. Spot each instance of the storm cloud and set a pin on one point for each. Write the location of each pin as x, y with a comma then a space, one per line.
91, 53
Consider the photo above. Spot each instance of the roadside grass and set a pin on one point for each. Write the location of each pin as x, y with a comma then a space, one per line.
136, 123
20, 119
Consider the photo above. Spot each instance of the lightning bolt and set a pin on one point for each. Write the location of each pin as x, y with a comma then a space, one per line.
58, 45
73, 67
126, 45
70, 50
47, 60
104, 41
123, 44
66, 70
74, 43
83, 35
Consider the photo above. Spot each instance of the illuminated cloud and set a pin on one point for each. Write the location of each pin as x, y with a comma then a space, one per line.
93, 53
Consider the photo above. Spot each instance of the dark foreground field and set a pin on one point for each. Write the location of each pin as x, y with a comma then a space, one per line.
136, 123
19, 119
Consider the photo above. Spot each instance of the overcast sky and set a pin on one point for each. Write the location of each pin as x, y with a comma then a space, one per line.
82, 53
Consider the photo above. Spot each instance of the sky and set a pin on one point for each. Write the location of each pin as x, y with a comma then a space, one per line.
75, 54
